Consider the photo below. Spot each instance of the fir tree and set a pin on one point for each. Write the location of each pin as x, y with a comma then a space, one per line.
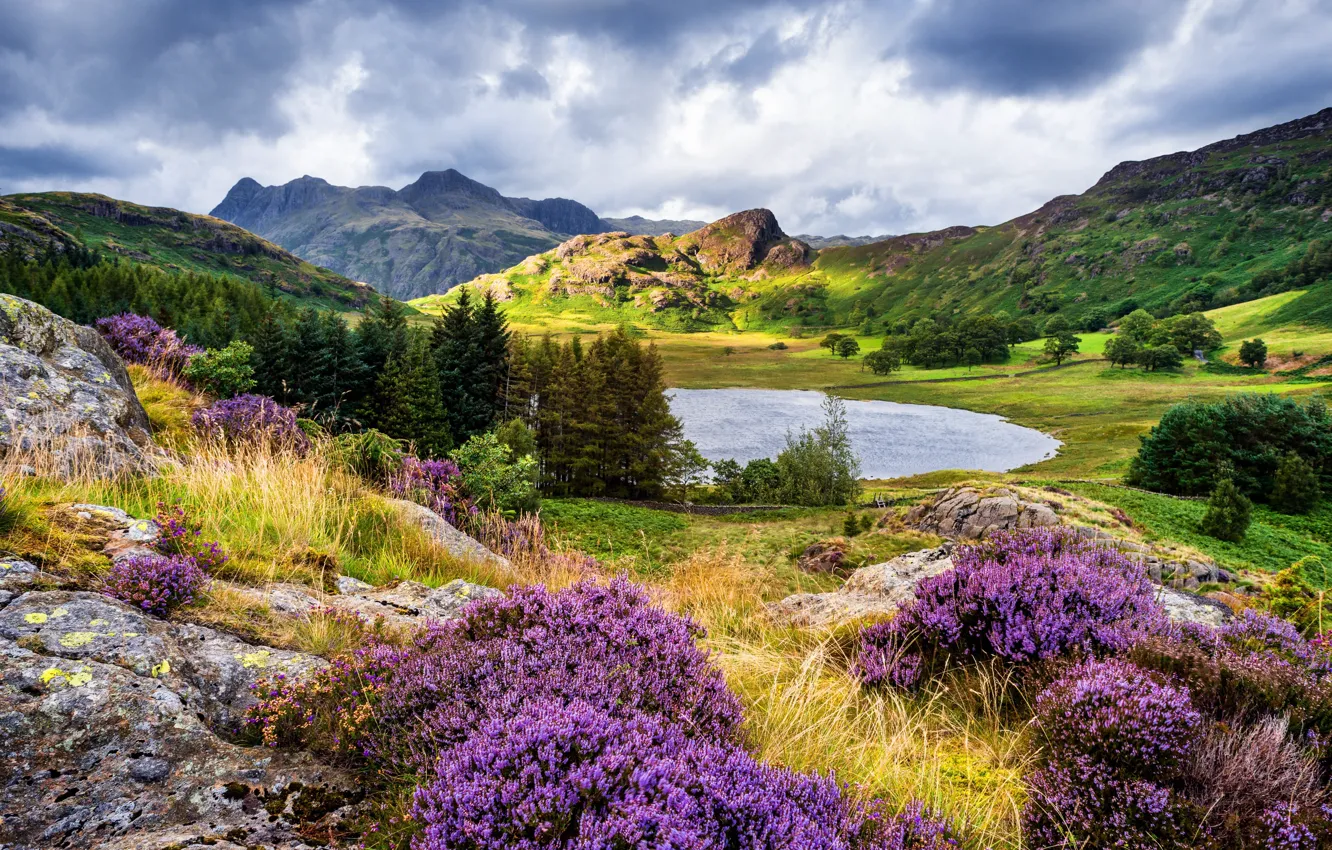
347, 375
310, 349
272, 357
382, 334
407, 403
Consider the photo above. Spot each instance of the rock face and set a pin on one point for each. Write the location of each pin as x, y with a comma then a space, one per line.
743, 241
1183, 607
874, 591
109, 740
969, 514
822, 557
64, 391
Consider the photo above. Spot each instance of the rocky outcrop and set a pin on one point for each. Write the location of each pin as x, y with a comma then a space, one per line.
402, 605
111, 737
822, 557
882, 589
744, 241
969, 514
874, 591
66, 397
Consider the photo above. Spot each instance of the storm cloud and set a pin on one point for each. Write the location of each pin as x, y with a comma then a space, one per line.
845, 116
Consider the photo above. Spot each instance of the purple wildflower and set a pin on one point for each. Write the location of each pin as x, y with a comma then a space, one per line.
180, 535
156, 584
252, 419
558, 776
1021, 596
139, 339
437, 484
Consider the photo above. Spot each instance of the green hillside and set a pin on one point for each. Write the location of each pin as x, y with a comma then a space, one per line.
1176, 233
167, 239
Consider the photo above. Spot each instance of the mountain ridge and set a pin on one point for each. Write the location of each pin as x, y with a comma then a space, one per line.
1179, 232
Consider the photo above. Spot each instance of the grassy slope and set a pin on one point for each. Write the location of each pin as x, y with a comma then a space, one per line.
1143, 236
176, 241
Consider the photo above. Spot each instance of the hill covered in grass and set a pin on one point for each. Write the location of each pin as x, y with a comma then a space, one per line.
1186, 231
35, 225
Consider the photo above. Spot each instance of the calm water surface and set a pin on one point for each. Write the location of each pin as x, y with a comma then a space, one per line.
891, 439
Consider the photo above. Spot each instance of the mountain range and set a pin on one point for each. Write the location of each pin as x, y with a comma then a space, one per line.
1180, 232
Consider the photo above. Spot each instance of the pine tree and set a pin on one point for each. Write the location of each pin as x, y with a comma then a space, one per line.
382, 334
273, 373
1228, 513
312, 382
493, 337
347, 375
1295, 487
407, 403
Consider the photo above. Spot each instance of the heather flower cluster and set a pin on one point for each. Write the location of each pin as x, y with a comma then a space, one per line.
1020, 596
139, 339
252, 420
1115, 735
437, 484
156, 584
180, 535
584, 717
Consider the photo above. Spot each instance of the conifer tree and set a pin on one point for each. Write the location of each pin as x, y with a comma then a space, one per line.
1295, 487
1228, 512
347, 375
272, 357
310, 351
382, 334
407, 403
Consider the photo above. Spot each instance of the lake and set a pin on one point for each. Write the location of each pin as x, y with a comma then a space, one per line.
891, 439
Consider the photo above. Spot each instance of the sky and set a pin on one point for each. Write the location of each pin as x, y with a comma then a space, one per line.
842, 117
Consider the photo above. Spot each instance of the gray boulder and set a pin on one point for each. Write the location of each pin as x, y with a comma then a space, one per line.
441, 531
878, 590
107, 736
1184, 607
966, 513
65, 397
401, 605
211, 671
97, 756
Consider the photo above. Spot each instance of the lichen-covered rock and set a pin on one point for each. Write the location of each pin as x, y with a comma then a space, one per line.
966, 513
458, 544
126, 536
66, 397
874, 591
401, 605
211, 671
1185, 607
99, 755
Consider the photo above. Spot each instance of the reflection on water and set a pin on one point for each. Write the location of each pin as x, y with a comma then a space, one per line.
891, 439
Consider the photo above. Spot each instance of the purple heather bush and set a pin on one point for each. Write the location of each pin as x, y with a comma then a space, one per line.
139, 339
156, 584
579, 718
1020, 597
570, 776
523, 541
1115, 735
437, 484
1120, 715
180, 534
252, 420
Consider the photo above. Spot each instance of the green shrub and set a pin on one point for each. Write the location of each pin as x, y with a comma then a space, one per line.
851, 525
1295, 487
1246, 435
777, 346
1228, 513
493, 478
373, 455
819, 467
222, 372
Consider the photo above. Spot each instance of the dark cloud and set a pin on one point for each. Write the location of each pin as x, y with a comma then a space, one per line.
212, 64
524, 82
51, 162
1024, 47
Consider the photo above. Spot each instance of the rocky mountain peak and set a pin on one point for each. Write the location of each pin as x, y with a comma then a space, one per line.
448, 189
743, 241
